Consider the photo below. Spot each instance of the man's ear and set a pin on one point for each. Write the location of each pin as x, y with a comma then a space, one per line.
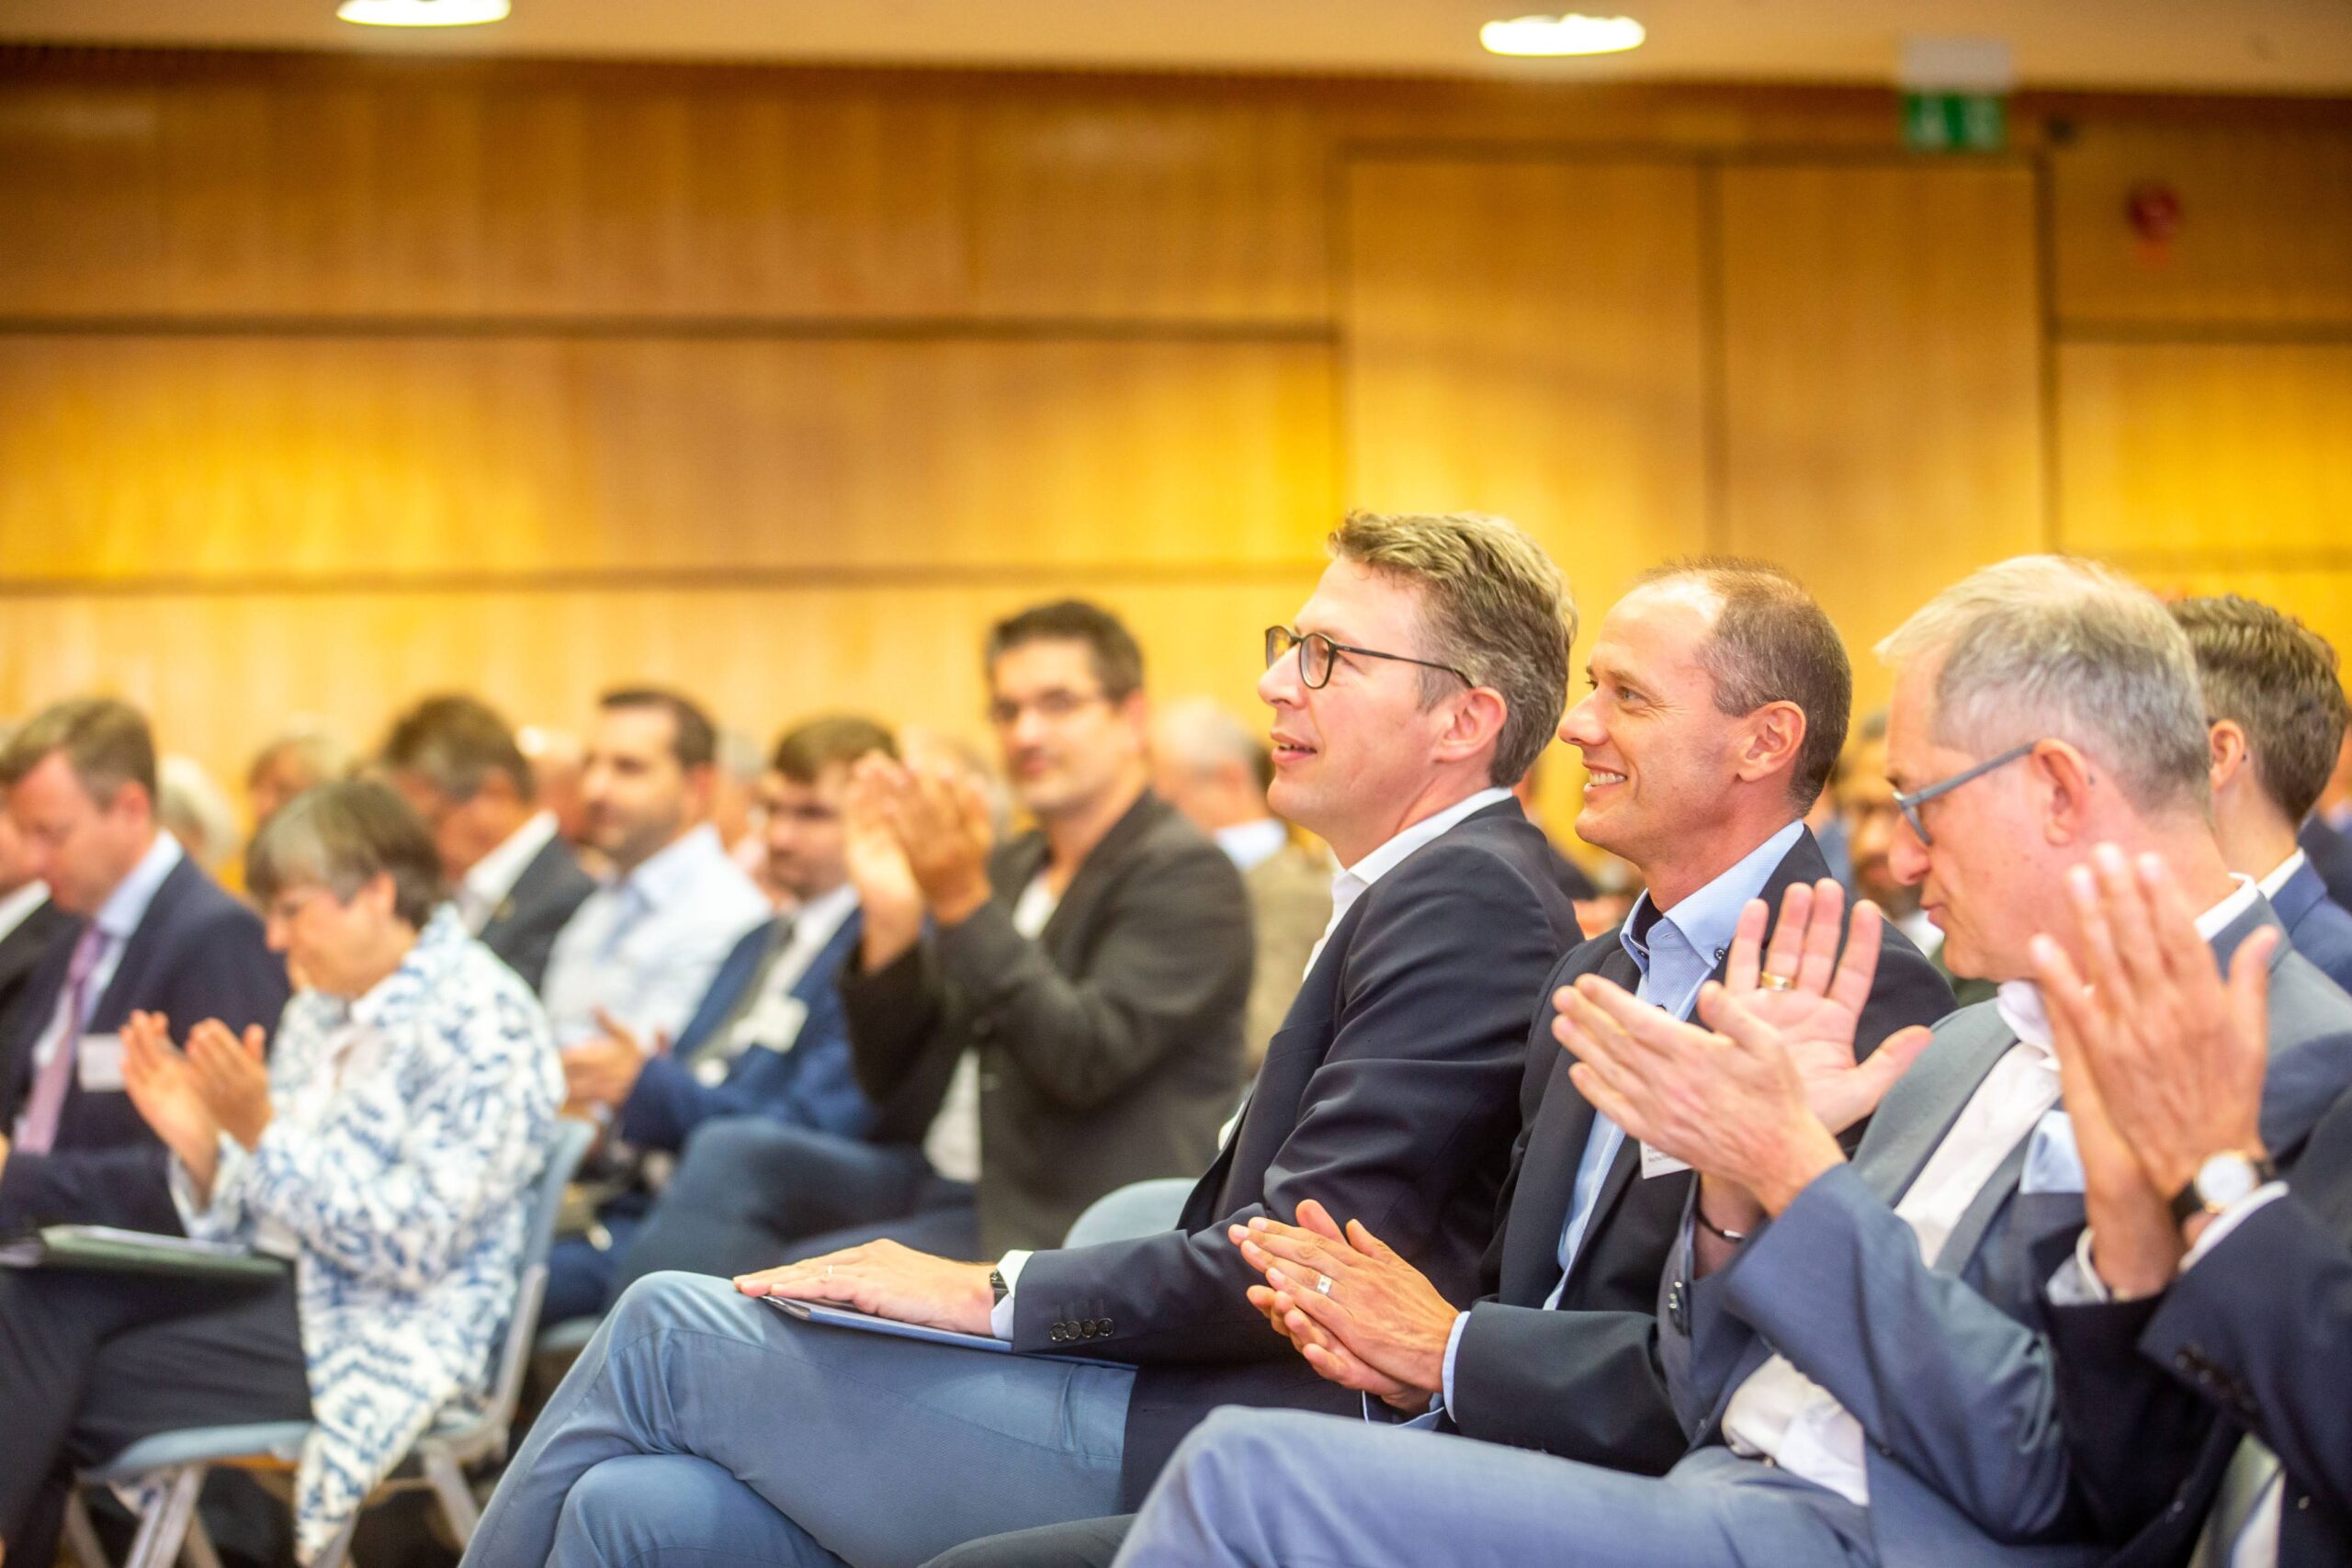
2228, 751
1476, 724
2064, 778
1773, 736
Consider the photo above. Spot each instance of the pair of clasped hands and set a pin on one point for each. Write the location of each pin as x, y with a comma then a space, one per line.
2160, 1062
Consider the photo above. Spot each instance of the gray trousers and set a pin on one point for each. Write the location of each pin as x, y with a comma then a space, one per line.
1266, 1488
703, 1425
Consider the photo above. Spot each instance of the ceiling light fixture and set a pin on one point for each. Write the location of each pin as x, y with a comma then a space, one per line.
1562, 35
422, 13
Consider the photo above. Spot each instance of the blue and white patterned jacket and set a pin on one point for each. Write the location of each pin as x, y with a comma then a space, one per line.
407, 1129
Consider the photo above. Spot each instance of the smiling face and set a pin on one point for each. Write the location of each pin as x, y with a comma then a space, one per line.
1660, 759
1353, 758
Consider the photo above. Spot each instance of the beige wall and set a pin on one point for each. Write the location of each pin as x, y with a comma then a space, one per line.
325, 382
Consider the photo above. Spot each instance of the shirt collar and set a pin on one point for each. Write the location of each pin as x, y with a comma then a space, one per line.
2020, 1001
1250, 845
824, 915
1709, 917
127, 904
490, 879
1390, 855
676, 867
18, 906
2282, 873
416, 965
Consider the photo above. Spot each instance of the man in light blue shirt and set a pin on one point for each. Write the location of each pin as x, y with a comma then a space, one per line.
633, 960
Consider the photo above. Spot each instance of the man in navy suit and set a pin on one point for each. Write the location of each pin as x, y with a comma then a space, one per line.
770, 1040
2276, 713
1424, 674
152, 932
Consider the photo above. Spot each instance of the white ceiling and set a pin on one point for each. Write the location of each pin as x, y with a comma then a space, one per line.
2289, 46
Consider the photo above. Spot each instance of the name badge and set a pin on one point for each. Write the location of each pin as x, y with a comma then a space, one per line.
98, 1059
1657, 1164
774, 1023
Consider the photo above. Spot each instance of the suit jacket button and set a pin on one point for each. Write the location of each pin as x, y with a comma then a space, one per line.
982, 1028
1106, 1327
1058, 1333
2182, 1361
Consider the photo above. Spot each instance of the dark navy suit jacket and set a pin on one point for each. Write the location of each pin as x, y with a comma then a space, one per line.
196, 953
2316, 924
2331, 854
813, 1085
1390, 1094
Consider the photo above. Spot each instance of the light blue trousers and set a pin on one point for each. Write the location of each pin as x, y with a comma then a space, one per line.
705, 1425
1284, 1489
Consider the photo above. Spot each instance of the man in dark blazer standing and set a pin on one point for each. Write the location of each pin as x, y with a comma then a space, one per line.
514, 878
2276, 708
152, 932
1423, 675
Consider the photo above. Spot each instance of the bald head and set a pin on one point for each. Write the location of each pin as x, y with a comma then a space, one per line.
1209, 765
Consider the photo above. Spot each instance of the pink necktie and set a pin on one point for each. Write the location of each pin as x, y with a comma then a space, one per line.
37, 1128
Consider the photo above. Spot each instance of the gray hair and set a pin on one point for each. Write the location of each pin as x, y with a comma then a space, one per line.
1497, 610
2051, 646
194, 810
321, 754
341, 836
1201, 734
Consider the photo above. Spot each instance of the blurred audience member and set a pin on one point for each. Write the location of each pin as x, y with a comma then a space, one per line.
30, 917
557, 760
512, 873
153, 933
1565, 870
197, 812
767, 1053
2276, 713
305, 756
384, 1150
2324, 832
737, 767
1210, 766
1866, 803
632, 963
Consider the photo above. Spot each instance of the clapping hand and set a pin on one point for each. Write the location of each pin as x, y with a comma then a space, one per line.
166, 1091
889, 899
233, 1078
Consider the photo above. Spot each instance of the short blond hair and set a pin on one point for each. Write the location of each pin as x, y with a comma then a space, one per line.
1497, 610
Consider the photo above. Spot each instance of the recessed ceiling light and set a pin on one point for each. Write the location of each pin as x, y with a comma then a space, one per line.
422, 13
1562, 35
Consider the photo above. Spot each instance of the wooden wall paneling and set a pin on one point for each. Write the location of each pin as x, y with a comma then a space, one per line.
2217, 450
1882, 373
1151, 208
2264, 235
1523, 338
218, 458
2318, 594
220, 673
80, 195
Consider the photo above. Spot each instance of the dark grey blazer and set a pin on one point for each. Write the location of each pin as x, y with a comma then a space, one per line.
522, 929
1947, 1367
1110, 1047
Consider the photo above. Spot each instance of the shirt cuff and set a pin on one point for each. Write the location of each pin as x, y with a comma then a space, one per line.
197, 1214
1452, 1345
2077, 1283
2229, 1219
1000, 1315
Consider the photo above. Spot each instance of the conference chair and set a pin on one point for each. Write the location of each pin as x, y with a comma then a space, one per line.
175, 1463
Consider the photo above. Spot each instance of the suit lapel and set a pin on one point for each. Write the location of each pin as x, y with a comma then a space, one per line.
1920, 1111
1074, 913
130, 971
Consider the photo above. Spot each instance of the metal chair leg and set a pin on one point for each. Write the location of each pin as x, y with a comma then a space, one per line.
165, 1525
81, 1536
198, 1551
449, 1482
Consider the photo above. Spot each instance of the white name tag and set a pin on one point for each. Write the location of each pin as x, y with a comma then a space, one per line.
1657, 1164
99, 1060
774, 1023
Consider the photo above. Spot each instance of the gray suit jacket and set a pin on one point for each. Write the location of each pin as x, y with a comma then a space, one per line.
1947, 1367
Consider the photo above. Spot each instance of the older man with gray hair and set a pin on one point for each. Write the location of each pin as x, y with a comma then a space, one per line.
1210, 766
1854, 1343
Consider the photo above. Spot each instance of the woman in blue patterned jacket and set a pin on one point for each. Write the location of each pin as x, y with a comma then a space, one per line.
387, 1149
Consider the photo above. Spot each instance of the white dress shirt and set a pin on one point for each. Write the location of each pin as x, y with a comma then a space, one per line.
17, 906
952, 1143
1780, 1415
644, 946
488, 881
1348, 884
2281, 872
118, 917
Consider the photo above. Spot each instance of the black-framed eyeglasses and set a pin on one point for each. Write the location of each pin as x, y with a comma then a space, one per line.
1909, 804
1317, 655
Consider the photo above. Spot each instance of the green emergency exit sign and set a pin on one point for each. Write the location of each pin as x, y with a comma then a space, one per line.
1954, 122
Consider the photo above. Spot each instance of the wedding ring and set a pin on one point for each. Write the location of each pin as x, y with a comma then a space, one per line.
1322, 1284
829, 1271
1772, 982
